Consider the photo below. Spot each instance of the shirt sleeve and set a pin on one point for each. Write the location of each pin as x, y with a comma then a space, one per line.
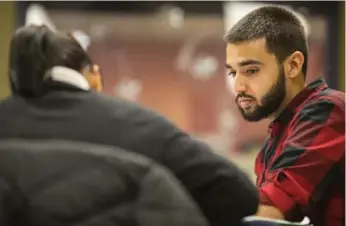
315, 144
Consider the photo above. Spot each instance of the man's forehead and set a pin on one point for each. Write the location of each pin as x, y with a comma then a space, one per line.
251, 50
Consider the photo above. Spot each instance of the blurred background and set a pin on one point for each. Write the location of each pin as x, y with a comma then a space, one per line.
169, 56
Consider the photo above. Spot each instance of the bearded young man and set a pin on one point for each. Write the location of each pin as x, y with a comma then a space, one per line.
300, 170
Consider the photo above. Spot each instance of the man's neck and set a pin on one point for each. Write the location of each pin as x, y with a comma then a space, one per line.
295, 88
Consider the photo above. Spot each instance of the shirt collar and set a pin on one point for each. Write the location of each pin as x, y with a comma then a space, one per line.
68, 76
287, 114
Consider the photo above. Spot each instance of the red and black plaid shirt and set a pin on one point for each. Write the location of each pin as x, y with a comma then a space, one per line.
301, 168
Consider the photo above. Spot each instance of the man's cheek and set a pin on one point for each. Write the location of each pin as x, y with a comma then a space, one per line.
230, 84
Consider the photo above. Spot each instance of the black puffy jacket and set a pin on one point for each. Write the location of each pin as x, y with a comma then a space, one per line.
58, 183
69, 113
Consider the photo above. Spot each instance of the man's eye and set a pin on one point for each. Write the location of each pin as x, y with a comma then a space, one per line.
232, 73
251, 71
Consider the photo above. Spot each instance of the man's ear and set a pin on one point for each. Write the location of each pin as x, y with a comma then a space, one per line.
294, 64
93, 76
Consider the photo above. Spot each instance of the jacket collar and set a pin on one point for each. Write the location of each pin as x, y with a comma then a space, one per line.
293, 107
68, 76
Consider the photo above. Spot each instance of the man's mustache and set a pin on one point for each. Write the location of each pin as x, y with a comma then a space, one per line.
243, 95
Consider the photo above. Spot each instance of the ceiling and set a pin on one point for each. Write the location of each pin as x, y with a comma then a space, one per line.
138, 26
142, 7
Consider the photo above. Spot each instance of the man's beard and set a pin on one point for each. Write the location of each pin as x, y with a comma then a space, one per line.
270, 102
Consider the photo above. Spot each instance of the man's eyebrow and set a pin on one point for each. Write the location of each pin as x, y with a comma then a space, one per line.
245, 63
228, 66
249, 62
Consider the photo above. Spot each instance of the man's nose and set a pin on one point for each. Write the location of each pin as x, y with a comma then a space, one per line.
239, 84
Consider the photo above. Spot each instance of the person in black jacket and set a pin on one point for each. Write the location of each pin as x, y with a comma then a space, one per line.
60, 183
51, 99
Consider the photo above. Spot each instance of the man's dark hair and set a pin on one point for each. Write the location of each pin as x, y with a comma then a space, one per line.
282, 30
34, 51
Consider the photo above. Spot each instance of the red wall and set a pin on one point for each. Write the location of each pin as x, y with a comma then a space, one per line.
192, 104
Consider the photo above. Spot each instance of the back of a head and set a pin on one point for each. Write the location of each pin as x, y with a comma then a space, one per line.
34, 51
282, 30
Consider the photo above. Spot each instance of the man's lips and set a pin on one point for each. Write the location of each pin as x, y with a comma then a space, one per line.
245, 102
